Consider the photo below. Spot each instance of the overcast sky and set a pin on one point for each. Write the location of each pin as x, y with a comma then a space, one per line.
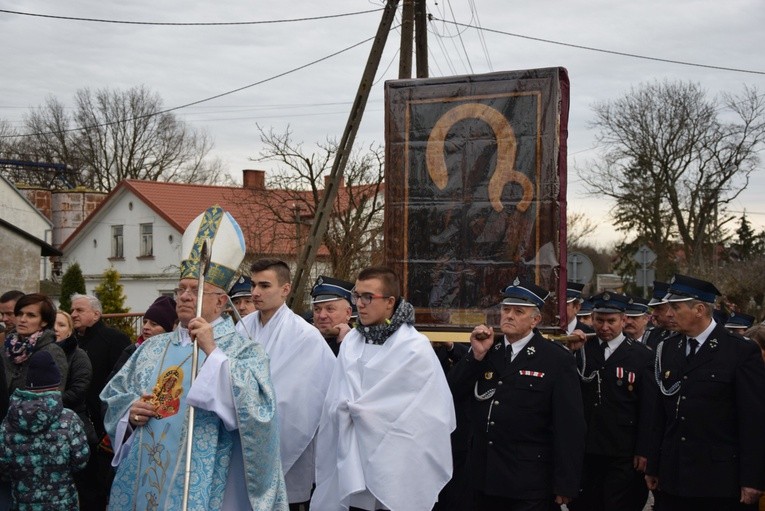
42, 57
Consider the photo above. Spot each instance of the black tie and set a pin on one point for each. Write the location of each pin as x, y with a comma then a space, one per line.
693, 345
603, 346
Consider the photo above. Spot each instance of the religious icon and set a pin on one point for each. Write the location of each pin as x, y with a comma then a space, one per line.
166, 395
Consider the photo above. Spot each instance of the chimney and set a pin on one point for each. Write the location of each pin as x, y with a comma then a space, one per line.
254, 179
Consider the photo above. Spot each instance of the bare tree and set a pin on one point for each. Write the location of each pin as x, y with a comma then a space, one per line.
113, 135
355, 232
579, 227
673, 161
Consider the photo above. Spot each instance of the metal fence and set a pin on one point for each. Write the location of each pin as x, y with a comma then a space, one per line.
129, 322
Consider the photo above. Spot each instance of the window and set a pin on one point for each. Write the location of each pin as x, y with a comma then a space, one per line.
117, 245
147, 240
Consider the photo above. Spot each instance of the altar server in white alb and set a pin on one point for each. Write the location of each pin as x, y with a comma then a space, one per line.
235, 456
301, 367
383, 441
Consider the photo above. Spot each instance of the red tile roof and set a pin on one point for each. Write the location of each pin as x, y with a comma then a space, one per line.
266, 216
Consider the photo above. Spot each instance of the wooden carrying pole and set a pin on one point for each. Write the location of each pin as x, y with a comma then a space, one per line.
204, 266
324, 209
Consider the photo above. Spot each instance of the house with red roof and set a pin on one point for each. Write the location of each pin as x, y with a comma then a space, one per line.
138, 228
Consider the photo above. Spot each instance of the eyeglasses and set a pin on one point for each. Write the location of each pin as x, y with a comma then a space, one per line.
180, 291
364, 298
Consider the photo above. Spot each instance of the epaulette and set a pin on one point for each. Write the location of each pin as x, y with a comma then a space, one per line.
561, 345
633, 342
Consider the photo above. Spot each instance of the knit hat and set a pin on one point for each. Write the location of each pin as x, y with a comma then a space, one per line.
42, 372
162, 312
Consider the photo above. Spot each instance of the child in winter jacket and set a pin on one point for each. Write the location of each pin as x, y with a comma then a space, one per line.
42, 443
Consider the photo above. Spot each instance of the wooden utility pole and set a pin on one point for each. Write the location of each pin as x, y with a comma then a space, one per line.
324, 209
407, 35
421, 35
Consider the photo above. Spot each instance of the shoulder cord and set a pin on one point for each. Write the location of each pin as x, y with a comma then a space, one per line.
592, 376
674, 389
486, 395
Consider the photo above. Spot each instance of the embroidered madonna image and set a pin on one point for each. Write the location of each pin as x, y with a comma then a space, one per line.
167, 392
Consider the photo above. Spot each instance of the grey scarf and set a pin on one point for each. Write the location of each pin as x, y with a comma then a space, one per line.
378, 334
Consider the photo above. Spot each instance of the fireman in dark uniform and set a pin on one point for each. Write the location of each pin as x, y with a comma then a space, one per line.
659, 307
636, 320
574, 303
708, 451
525, 409
584, 316
739, 322
617, 387
332, 309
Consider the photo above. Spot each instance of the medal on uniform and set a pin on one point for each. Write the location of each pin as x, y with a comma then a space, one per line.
666, 375
619, 376
488, 375
630, 380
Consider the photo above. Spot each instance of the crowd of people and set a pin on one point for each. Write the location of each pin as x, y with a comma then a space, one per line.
228, 400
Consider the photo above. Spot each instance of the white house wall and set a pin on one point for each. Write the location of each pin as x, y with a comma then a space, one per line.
143, 278
17, 210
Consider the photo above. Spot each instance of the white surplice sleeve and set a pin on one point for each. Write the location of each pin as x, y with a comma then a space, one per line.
211, 389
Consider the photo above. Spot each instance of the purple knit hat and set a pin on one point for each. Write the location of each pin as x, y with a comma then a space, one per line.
162, 312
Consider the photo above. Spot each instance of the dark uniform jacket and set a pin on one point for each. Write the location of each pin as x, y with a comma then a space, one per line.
709, 438
104, 346
657, 335
528, 437
584, 327
618, 409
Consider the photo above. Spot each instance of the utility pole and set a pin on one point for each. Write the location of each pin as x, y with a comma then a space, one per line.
407, 35
414, 24
421, 35
324, 209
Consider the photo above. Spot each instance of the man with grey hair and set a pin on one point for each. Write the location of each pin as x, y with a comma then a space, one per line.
525, 409
707, 451
104, 345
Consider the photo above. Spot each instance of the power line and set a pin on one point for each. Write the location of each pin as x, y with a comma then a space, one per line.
481, 38
462, 43
227, 93
442, 47
601, 50
188, 24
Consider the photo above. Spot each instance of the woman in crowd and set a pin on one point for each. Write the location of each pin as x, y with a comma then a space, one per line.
35, 317
159, 318
80, 373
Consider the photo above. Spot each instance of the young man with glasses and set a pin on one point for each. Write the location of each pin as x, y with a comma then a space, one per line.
301, 366
383, 441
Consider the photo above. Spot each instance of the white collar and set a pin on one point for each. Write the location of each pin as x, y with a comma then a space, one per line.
703, 336
520, 343
615, 342
183, 332
571, 326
